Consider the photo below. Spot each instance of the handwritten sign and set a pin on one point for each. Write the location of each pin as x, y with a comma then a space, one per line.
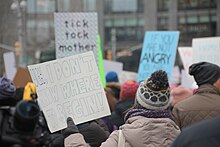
72, 87
186, 55
76, 33
206, 49
10, 65
158, 52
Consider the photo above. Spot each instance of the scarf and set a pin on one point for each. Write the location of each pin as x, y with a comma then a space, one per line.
148, 113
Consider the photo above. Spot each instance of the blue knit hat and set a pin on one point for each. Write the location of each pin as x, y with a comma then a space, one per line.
111, 76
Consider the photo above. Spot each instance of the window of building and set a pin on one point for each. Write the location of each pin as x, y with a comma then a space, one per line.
162, 23
40, 6
129, 29
163, 5
196, 4
196, 26
89, 5
123, 6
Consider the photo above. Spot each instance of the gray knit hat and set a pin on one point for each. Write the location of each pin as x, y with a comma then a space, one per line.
154, 93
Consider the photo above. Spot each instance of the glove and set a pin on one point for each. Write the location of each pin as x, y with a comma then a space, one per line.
71, 128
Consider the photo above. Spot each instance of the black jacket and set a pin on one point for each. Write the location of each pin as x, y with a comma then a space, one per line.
203, 134
117, 116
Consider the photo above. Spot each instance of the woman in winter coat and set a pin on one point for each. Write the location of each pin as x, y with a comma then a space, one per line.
148, 123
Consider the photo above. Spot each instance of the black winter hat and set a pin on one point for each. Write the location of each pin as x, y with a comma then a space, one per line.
205, 73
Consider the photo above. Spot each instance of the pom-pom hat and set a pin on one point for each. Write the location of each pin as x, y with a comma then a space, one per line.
154, 93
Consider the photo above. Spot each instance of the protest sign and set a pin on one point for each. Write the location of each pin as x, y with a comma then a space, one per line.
76, 33
158, 52
101, 69
206, 49
175, 76
186, 55
69, 87
127, 75
113, 66
10, 65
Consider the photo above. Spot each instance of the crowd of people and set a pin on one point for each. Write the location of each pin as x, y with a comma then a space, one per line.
149, 113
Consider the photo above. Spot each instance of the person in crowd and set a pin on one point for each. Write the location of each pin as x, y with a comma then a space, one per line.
111, 76
94, 132
148, 123
179, 93
126, 101
202, 134
205, 102
7, 92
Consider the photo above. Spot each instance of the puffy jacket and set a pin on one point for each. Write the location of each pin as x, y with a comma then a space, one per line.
138, 132
204, 104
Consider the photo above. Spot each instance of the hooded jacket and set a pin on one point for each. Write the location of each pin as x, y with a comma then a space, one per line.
138, 131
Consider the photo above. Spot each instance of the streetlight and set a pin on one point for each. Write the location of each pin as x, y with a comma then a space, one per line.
18, 6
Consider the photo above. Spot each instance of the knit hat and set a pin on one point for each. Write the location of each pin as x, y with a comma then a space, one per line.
205, 73
7, 88
154, 92
111, 77
180, 93
129, 90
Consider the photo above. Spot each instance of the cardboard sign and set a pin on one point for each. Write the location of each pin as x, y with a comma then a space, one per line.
70, 87
186, 55
113, 66
76, 33
158, 52
10, 65
206, 49
22, 77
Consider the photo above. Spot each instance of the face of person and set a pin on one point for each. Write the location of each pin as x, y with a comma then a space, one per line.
217, 84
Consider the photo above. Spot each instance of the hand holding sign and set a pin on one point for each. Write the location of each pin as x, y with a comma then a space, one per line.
70, 86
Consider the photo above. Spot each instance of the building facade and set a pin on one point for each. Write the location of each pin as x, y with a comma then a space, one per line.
122, 23
131, 18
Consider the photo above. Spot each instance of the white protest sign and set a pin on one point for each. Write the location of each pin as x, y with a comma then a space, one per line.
112, 66
76, 33
175, 76
70, 87
128, 75
10, 65
186, 55
206, 49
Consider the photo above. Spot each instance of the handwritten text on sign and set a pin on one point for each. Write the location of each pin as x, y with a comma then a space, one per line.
76, 33
69, 87
158, 52
206, 49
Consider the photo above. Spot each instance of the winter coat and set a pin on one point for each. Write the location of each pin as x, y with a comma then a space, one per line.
138, 131
204, 104
202, 134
